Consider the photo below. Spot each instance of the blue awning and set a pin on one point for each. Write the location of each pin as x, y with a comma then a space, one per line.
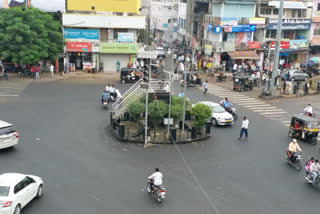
293, 50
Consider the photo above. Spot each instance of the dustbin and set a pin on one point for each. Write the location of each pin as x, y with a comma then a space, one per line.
194, 133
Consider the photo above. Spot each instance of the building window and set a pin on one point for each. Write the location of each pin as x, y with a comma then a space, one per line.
318, 8
286, 34
265, 11
275, 11
271, 34
225, 37
299, 13
316, 32
116, 31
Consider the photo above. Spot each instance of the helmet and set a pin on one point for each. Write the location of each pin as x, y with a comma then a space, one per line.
294, 140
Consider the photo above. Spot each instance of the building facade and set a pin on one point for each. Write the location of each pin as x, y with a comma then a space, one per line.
315, 28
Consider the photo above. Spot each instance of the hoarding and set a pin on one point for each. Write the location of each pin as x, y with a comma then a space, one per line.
125, 37
120, 6
257, 21
254, 45
228, 22
283, 45
121, 48
241, 28
48, 6
208, 49
70, 33
290, 24
210, 27
79, 46
297, 44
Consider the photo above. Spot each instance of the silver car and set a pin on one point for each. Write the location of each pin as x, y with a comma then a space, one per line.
295, 75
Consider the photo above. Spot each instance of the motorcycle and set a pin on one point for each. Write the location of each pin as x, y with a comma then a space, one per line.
309, 179
305, 114
105, 104
233, 112
158, 193
297, 162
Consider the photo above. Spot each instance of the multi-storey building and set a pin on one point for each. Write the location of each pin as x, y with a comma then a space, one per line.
315, 27
182, 19
95, 36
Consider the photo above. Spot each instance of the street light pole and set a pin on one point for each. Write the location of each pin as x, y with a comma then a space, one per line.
146, 116
170, 96
184, 94
277, 51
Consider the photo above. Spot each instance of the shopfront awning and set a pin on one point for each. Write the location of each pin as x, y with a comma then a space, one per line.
293, 50
243, 55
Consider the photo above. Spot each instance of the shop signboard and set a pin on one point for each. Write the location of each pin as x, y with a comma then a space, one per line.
208, 49
257, 21
241, 28
122, 48
125, 37
117, 6
210, 28
254, 45
283, 45
217, 29
228, 21
70, 33
48, 6
79, 46
297, 44
290, 24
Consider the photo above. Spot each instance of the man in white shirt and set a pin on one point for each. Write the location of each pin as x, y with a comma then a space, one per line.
293, 148
108, 88
235, 66
244, 128
51, 69
315, 170
157, 178
308, 110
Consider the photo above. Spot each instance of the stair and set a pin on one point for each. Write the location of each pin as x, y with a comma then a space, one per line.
133, 94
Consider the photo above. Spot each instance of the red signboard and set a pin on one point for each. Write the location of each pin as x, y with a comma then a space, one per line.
79, 46
254, 45
283, 45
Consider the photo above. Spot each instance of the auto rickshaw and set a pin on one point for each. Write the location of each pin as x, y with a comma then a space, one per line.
129, 75
304, 128
242, 83
192, 80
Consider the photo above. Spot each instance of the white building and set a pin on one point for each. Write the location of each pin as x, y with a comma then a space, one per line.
182, 19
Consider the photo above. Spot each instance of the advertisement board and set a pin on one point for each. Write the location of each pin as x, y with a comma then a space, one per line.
119, 48
79, 46
257, 21
125, 37
228, 22
48, 6
241, 28
283, 45
297, 44
70, 33
208, 49
120, 6
290, 24
210, 27
254, 45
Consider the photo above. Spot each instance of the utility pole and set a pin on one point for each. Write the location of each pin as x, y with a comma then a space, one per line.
146, 116
184, 94
277, 51
170, 94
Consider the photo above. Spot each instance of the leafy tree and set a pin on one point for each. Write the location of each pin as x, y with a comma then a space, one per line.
29, 35
177, 107
157, 110
201, 114
135, 109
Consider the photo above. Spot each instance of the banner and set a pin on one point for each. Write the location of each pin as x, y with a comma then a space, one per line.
254, 45
70, 33
228, 22
283, 45
120, 6
257, 21
119, 48
125, 37
297, 44
44, 5
241, 28
290, 24
79, 47
208, 49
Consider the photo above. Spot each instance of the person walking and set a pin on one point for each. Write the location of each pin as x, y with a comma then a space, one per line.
244, 128
51, 70
205, 87
38, 72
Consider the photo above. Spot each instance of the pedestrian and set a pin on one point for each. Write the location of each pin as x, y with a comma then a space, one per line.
244, 128
234, 68
5, 73
33, 70
38, 72
205, 87
51, 69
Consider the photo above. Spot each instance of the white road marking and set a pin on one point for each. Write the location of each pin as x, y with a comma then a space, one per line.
273, 113
253, 108
268, 110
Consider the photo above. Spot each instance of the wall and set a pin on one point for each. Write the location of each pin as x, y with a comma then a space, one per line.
234, 9
110, 61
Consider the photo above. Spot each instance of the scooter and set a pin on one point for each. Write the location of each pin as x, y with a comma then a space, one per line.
297, 162
309, 179
158, 193
105, 104
233, 112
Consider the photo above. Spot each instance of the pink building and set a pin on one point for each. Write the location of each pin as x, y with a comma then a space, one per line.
315, 27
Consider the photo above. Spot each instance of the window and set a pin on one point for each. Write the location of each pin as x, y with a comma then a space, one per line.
286, 34
271, 34
4, 191
27, 181
275, 11
116, 31
318, 8
225, 37
265, 11
316, 32
7, 130
18, 187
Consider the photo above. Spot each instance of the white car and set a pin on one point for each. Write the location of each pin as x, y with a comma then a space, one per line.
219, 115
17, 190
9, 136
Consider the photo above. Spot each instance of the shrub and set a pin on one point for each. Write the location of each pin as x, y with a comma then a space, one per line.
157, 109
135, 109
201, 114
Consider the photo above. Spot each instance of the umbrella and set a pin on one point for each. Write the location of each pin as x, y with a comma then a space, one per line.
315, 59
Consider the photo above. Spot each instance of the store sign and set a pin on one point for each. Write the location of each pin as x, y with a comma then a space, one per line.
241, 28
125, 37
70, 33
119, 48
257, 21
217, 29
48, 6
283, 45
228, 22
254, 45
297, 44
208, 49
290, 24
79, 46
210, 27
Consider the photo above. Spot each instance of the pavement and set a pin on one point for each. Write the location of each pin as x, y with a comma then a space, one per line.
86, 170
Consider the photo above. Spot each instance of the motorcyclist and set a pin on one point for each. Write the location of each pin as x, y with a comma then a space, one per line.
155, 179
293, 148
308, 165
105, 96
226, 103
308, 110
315, 170
108, 88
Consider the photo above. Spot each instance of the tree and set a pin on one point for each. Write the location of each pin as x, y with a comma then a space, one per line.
201, 114
135, 109
29, 35
177, 107
157, 110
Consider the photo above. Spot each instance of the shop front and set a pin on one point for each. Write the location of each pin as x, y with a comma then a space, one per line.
79, 55
111, 53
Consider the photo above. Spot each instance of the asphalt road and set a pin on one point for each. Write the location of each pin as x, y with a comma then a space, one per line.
86, 170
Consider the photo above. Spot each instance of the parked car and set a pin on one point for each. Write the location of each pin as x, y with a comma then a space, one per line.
17, 190
219, 115
161, 52
9, 135
295, 74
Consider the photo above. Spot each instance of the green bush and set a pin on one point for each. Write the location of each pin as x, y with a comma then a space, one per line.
201, 114
157, 110
135, 109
